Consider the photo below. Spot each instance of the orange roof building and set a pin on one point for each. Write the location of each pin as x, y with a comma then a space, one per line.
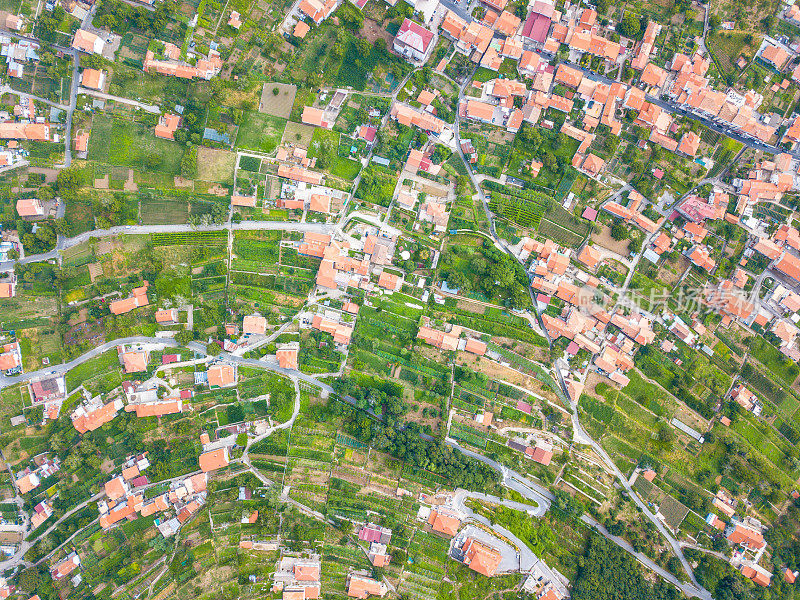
93, 78
167, 126
166, 316
287, 355
167, 406
301, 29
480, 557
689, 144
569, 76
27, 483
216, 459
775, 55
789, 264
88, 42
254, 325
30, 207
314, 116
317, 10
389, 281
359, 585
590, 256
86, 419
221, 375
116, 488
138, 298
66, 566
444, 520
739, 533
135, 361
82, 142
757, 574
25, 131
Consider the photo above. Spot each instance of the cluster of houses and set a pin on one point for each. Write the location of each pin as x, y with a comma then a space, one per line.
23, 124
145, 399
297, 577
745, 535
479, 548
340, 270
434, 208
170, 62
29, 479
451, 339
300, 191
125, 498
583, 321
532, 42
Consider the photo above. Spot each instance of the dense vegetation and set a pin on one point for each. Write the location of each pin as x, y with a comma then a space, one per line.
609, 573
488, 271
402, 439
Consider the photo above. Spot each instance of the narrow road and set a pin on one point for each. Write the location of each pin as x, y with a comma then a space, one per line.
65, 243
73, 101
7, 89
689, 590
151, 108
581, 436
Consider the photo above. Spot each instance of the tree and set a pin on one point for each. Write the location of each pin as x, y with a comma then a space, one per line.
567, 504
68, 180
184, 336
213, 349
619, 231
29, 579
189, 163
630, 25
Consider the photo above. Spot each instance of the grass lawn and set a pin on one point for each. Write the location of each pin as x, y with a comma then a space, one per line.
105, 363
345, 168
79, 215
325, 147
298, 134
323, 142
277, 104
151, 88
769, 356
163, 211
215, 165
121, 143
260, 132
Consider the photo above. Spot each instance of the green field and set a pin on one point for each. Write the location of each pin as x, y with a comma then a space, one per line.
260, 132
727, 46
125, 144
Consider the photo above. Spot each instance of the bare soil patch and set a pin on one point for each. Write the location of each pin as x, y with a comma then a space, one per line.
102, 183
277, 104
373, 31
605, 240
130, 185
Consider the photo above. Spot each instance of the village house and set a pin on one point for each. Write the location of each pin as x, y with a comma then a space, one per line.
413, 41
